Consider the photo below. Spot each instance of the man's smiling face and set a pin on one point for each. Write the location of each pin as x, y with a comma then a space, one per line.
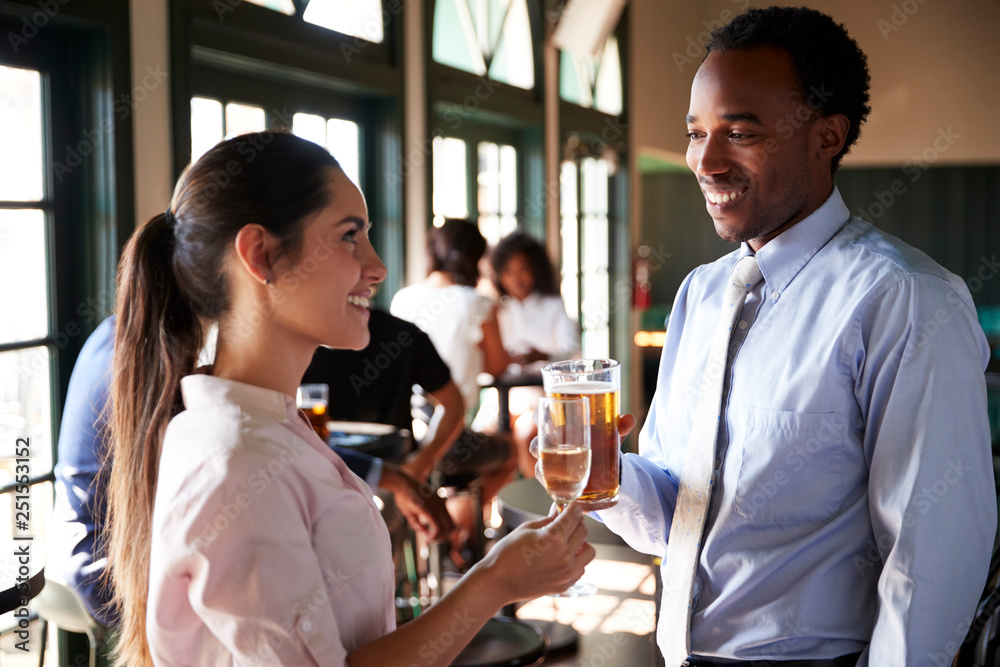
754, 144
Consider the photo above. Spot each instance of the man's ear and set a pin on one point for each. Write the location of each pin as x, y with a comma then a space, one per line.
253, 248
832, 133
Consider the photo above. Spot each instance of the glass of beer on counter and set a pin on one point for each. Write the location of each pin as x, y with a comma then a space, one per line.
599, 381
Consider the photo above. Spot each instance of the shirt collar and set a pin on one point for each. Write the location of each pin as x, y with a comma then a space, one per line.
202, 390
783, 257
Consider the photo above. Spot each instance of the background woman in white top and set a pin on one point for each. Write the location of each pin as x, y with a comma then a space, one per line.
260, 545
534, 328
533, 322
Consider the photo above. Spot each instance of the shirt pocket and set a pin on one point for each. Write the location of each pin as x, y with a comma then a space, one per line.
792, 469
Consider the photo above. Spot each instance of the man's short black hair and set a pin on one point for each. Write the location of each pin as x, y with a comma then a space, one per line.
832, 68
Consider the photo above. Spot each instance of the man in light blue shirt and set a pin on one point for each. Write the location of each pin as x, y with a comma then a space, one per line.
853, 507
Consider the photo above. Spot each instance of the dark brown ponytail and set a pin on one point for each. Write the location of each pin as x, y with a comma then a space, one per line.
157, 340
170, 283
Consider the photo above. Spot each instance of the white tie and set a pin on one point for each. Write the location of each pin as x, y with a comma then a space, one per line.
684, 542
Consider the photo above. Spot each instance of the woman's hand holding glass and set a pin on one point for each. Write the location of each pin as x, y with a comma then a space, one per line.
541, 557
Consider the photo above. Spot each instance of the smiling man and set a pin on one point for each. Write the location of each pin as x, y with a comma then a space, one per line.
815, 467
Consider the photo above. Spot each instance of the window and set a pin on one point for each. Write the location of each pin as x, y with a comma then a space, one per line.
586, 250
27, 347
494, 172
497, 186
450, 198
486, 37
212, 121
593, 82
358, 18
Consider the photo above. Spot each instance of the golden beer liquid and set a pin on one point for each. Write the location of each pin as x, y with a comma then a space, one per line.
602, 489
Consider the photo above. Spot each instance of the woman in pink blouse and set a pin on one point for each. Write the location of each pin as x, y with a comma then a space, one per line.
237, 536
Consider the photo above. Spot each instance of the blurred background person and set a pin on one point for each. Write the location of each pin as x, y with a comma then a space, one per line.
534, 328
376, 385
76, 552
462, 324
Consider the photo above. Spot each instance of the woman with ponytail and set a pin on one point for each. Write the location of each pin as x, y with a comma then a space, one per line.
236, 535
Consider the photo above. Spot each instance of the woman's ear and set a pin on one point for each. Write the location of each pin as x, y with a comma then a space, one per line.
253, 248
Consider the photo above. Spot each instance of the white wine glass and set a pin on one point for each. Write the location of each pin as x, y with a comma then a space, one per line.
564, 457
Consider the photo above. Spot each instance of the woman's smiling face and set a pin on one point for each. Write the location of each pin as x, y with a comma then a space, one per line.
324, 294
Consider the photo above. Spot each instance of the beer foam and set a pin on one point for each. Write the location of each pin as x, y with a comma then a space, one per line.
581, 388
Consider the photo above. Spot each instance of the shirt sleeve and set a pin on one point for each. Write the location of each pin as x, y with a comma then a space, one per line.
932, 501
648, 494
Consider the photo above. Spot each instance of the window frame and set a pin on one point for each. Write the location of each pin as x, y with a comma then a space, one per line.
83, 53
262, 57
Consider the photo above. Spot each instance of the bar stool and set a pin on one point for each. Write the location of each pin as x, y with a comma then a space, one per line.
60, 604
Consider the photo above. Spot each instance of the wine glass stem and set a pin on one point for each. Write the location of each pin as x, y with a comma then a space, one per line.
561, 505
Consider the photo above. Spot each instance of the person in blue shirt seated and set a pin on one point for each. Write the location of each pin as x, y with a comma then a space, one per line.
76, 553
846, 482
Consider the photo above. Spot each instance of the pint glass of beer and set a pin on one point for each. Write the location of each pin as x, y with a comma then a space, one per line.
600, 382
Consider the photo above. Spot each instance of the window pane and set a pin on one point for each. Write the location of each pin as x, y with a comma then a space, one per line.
450, 186
243, 118
24, 409
340, 137
596, 298
508, 180
497, 192
310, 126
574, 79
568, 231
608, 89
513, 61
343, 140
24, 274
455, 42
206, 125
283, 6
488, 198
358, 18
21, 176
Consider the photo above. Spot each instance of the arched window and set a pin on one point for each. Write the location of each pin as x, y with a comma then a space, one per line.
593, 82
357, 18
486, 37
